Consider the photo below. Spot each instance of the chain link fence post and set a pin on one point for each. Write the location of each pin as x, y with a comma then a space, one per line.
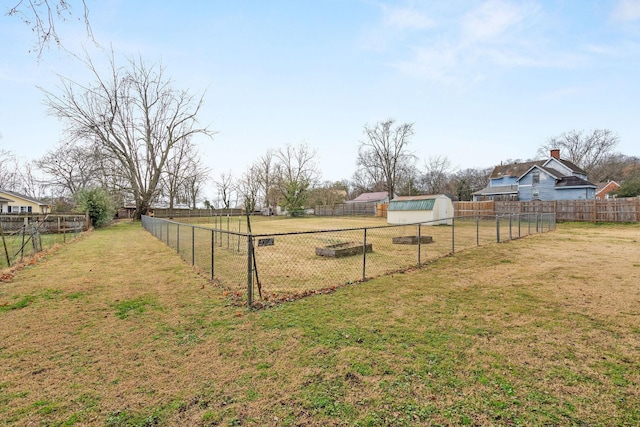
213, 245
364, 255
193, 245
498, 228
453, 235
419, 246
249, 271
510, 226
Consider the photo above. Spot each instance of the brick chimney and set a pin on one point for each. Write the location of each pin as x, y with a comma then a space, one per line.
555, 153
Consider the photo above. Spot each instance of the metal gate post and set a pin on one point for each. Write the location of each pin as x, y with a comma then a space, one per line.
498, 228
477, 230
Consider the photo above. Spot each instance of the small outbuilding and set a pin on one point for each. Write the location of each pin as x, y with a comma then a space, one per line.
433, 209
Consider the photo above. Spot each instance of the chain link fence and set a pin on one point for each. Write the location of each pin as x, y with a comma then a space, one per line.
265, 268
24, 237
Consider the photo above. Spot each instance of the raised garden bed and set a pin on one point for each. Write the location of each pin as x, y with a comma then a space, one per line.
342, 249
411, 240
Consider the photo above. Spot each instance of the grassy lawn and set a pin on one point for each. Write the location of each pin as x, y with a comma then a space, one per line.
20, 248
115, 330
294, 258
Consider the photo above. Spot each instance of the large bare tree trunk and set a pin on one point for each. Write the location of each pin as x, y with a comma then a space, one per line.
134, 115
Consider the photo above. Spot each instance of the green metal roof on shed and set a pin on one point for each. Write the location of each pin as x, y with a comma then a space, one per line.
412, 205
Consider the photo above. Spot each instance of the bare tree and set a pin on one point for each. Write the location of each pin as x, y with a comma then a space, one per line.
248, 186
42, 16
408, 181
384, 152
32, 184
268, 173
362, 182
612, 168
196, 175
328, 194
467, 181
225, 187
587, 150
70, 168
184, 175
298, 172
437, 171
9, 176
134, 115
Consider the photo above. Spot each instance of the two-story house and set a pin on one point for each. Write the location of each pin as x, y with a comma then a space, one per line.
551, 179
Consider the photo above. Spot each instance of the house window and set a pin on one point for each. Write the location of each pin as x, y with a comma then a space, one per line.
536, 194
23, 209
535, 177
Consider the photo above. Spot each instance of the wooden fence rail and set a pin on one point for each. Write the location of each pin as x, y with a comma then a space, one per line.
47, 223
609, 210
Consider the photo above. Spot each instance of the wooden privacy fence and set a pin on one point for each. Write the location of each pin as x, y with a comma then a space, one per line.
609, 210
472, 209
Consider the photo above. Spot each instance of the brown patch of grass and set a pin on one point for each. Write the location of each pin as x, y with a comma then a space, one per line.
116, 330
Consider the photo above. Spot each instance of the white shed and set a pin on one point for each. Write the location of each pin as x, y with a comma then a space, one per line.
433, 209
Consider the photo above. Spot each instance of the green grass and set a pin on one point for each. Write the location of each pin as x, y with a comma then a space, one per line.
17, 250
130, 335
291, 267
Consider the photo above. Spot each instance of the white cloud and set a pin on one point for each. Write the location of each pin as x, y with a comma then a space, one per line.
496, 33
406, 18
626, 10
492, 19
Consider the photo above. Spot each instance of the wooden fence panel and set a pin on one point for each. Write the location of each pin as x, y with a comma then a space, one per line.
472, 209
618, 210
608, 210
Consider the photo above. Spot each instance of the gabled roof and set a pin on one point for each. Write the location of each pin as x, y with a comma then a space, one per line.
514, 169
567, 163
23, 196
415, 203
370, 197
549, 171
601, 186
561, 181
412, 204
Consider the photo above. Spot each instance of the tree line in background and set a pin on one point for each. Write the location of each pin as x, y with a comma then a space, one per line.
129, 136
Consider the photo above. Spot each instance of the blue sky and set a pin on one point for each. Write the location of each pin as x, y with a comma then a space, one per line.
483, 81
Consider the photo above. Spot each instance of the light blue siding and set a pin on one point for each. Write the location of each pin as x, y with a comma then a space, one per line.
544, 189
575, 194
